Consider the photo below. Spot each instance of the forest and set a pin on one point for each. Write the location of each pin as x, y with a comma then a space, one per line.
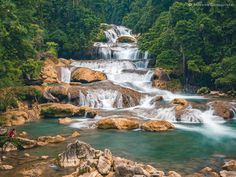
195, 40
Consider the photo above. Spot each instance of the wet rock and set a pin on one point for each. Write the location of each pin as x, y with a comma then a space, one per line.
105, 162
8, 146
157, 126
75, 134
88, 75
75, 154
51, 139
156, 100
180, 105
225, 173
65, 121
54, 110
161, 74
230, 165
118, 123
223, 109
6, 167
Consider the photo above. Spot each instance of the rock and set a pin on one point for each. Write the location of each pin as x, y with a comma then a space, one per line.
27, 143
49, 72
105, 162
157, 126
44, 157
55, 110
26, 154
173, 174
127, 168
75, 154
118, 123
65, 121
23, 134
180, 105
88, 75
230, 165
223, 109
225, 173
51, 139
161, 74
75, 134
156, 100
159, 84
15, 118
8, 146
6, 167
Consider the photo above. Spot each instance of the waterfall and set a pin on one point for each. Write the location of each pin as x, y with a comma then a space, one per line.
101, 99
65, 75
119, 51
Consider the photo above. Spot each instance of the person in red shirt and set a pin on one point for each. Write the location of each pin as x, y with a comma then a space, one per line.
12, 133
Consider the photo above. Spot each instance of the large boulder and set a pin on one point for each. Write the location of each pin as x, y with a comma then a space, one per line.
180, 105
75, 154
88, 75
118, 123
223, 109
15, 117
55, 110
157, 126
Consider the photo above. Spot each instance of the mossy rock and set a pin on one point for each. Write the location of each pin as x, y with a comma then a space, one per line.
203, 90
53, 112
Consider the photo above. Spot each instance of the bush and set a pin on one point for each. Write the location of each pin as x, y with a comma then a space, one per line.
203, 90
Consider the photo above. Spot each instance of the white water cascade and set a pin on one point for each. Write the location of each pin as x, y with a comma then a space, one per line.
126, 67
119, 51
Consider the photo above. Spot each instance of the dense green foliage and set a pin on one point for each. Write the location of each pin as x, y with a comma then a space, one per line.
196, 40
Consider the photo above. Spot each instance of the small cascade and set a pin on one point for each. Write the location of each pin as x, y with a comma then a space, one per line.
100, 99
107, 66
65, 75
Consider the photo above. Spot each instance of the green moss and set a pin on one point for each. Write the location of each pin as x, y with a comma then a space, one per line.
203, 90
53, 112
3, 120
